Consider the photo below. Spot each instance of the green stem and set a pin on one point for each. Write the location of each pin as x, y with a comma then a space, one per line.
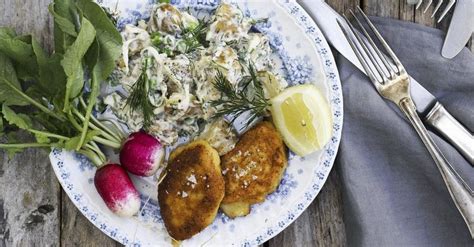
60, 137
92, 156
118, 137
104, 134
117, 128
106, 142
92, 99
96, 147
24, 145
73, 121
113, 134
97, 150
32, 101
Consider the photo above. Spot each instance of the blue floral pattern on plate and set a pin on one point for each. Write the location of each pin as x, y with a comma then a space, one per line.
303, 56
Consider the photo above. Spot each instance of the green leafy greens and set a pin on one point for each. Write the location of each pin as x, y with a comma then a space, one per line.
86, 43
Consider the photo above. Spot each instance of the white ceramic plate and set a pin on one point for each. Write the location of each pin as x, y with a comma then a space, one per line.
304, 56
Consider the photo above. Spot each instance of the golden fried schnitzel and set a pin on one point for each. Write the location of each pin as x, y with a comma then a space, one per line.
253, 169
192, 190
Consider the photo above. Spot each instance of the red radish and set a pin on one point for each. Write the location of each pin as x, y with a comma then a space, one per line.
142, 154
117, 190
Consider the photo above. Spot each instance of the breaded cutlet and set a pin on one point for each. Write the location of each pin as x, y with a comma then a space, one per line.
253, 169
192, 190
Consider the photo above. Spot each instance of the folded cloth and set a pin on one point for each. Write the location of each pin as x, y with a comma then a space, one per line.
393, 193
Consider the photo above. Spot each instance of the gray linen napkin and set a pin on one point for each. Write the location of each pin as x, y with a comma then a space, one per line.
393, 193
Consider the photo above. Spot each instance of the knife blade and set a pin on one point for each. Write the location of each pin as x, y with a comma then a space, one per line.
460, 29
326, 21
428, 107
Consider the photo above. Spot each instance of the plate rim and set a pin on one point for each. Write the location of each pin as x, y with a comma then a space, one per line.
320, 42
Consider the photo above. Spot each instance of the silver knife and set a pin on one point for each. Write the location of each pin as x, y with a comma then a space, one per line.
460, 29
433, 113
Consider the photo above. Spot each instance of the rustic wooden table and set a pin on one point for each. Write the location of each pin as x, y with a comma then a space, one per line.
34, 211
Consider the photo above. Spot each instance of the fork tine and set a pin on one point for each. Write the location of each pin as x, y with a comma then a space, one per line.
437, 8
369, 51
446, 10
389, 69
419, 4
383, 42
428, 6
349, 33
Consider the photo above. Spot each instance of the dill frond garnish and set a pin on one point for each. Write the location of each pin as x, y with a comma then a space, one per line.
196, 37
139, 100
248, 97
190, 39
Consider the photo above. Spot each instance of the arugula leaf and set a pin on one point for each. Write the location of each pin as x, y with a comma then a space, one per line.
109, 42
53, 125
20, 120
14, 47
51, 74
1, 124
101, 56
6, 32
19, 50
65, 9
10, 88
9, 84
72, 62
41, 138
63, 23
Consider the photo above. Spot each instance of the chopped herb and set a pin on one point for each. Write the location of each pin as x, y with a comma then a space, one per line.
249, 97
192, 39
196, 36
139, 97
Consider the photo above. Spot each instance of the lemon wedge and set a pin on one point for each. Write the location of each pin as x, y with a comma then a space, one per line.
303, 117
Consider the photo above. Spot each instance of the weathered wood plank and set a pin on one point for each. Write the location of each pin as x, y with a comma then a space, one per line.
29, 201
321, 224
27, 17
424, 18
29, 191
382, 8
342, 6
30, 214
76, 230
407, 12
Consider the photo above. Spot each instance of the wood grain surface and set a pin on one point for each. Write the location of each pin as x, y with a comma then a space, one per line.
34, 211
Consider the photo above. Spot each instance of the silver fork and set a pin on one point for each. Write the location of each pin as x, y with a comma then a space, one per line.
448, 7
392, 82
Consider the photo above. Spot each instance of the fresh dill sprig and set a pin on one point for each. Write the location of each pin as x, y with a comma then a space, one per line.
196, 37
248, 97
192, 39
139, 100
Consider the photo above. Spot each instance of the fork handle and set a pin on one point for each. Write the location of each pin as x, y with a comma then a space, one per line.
440, 119
460, 192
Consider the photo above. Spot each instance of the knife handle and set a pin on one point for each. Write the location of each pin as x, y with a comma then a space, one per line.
440, 119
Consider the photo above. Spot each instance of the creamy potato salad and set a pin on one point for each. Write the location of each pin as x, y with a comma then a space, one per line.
181, 56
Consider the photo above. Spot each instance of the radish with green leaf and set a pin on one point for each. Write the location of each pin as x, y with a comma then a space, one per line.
44, 94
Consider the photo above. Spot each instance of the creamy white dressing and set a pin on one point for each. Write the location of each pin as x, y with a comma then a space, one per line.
182, 81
